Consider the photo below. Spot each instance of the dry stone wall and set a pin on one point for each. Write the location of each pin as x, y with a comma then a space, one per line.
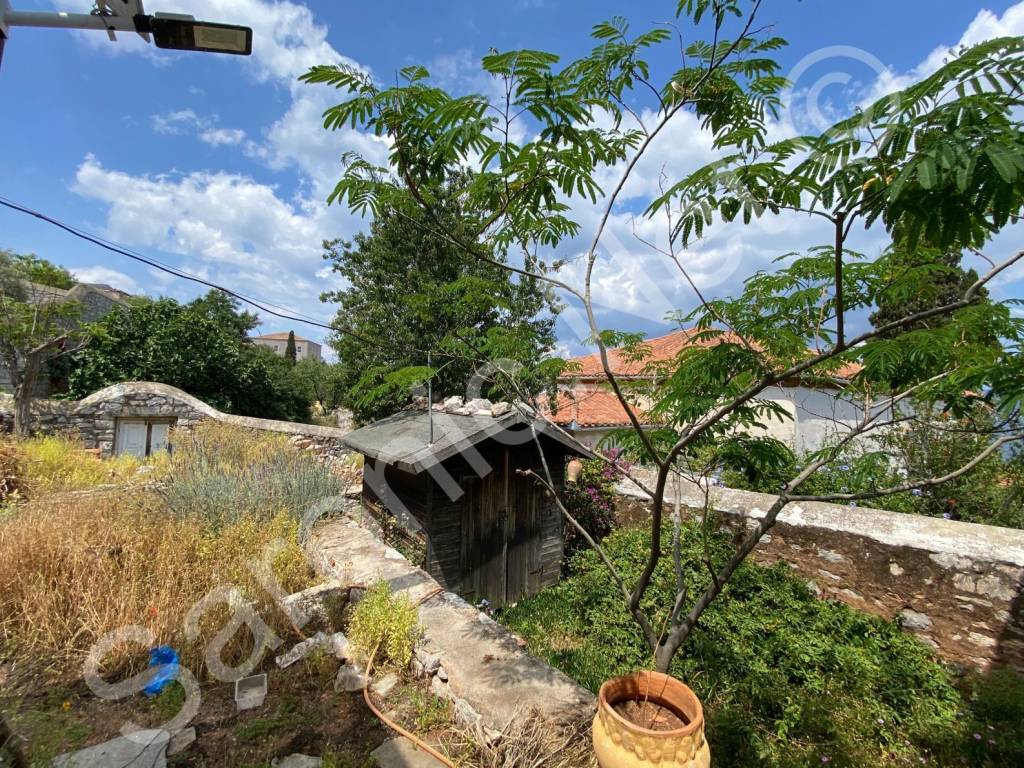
957, 586
94, 419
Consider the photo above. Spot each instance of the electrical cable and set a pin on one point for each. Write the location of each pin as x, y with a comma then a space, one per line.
261, 305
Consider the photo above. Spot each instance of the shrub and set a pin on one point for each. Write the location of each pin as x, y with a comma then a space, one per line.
387, 624
133, 557
786, 679
56, 464
221, 474
591, 502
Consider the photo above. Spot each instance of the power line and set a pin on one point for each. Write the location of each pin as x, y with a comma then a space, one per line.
261, 305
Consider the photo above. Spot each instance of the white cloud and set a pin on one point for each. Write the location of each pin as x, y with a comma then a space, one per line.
206, 129
175, 123
221, 136
230, 229
985, 26
633, 277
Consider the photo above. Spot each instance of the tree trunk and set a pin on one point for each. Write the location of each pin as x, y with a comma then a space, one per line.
24, 386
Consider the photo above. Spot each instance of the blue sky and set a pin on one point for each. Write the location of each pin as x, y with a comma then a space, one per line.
218, 165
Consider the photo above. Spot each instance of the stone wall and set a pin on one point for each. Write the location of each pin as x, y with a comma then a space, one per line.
94, 419
958, 586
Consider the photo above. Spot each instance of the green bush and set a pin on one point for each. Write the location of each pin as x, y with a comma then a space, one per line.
221, 474
591, 502
786, 679
386, 623
932, 445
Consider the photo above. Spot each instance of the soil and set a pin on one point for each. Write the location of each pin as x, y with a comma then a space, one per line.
649, 715
301, 713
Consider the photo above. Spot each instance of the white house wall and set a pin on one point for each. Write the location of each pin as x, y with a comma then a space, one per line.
814, 416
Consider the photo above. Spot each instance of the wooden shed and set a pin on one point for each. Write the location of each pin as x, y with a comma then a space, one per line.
490, 533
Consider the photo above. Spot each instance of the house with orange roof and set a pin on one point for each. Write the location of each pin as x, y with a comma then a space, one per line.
818, 409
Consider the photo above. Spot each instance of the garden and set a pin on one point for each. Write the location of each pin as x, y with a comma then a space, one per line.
786, 679
91, 545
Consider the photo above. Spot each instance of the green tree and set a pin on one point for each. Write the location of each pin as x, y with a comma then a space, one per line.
948, 282
289, 348
36, 325
940, 162
409, 286
224, 310
40, 271
318, 383
198, 347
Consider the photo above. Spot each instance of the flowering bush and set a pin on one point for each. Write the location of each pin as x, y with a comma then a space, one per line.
591, 500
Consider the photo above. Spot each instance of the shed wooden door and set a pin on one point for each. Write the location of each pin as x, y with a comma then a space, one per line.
131, 437
501, 538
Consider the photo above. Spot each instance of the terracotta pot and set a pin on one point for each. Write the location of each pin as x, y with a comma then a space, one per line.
620, 743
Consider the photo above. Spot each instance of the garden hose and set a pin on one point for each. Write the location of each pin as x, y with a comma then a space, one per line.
382, 717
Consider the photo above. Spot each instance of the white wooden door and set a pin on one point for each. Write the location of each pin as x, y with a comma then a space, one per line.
158, 436
131, 437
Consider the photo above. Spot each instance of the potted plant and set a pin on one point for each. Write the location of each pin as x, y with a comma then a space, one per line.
705, 402
649, 719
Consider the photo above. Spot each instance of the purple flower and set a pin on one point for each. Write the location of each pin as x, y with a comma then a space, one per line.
826, 759
977, 737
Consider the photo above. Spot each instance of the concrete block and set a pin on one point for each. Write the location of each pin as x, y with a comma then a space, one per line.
402, 753
142, 749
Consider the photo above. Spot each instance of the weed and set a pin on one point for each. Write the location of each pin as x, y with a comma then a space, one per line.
222, 474
320, 664
388, 621
287, 715
169, 701
56, 464
331, 758
428, 711
50, 730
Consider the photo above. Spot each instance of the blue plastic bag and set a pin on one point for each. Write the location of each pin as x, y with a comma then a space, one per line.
165, 659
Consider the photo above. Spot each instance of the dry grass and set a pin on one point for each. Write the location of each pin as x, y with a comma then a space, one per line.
529, 742
75, 567
52, 464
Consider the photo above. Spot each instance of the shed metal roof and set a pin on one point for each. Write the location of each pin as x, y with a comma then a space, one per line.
402, 439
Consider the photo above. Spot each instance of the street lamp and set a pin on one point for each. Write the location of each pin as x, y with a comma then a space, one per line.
169, 30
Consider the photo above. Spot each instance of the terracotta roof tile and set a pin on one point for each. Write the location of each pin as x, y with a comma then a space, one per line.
662, 349
594, 408
281, 336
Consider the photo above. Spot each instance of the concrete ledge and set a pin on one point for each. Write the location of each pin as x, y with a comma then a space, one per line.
94, 418
895, 529
120, 391
486, 673
958, 586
